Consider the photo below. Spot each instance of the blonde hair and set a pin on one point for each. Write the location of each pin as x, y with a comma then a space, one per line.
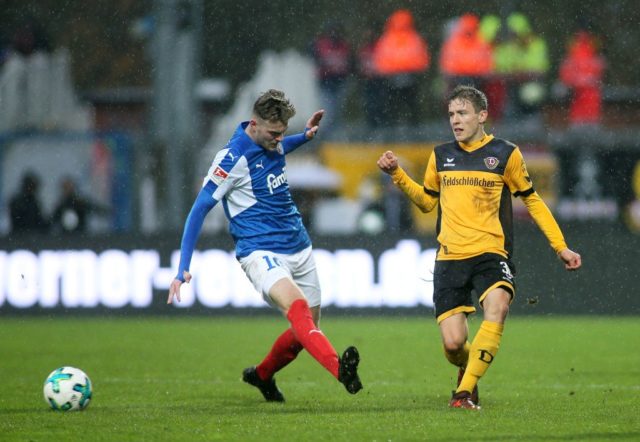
475, 96
274, 106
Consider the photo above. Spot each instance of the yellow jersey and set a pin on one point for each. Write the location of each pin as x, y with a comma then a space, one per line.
472, 187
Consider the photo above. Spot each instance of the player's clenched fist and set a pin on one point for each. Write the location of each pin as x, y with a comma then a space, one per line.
388, 162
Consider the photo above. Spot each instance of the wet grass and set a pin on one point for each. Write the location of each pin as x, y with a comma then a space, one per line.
555, 378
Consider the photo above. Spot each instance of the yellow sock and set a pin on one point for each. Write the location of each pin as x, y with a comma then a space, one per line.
459, 358
483, 349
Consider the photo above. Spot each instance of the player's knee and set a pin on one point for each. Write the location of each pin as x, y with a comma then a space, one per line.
454, 344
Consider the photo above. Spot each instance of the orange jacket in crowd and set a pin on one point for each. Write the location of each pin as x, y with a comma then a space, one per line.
582, 71
401, 49
465, 53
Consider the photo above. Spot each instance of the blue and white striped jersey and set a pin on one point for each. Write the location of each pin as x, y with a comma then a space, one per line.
252, 184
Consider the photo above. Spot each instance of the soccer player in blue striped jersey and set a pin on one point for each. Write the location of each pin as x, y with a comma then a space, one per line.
272, 245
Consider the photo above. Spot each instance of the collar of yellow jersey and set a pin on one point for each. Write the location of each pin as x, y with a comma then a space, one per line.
476, 144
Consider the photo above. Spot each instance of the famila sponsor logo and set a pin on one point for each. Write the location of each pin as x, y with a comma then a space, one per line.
275, 181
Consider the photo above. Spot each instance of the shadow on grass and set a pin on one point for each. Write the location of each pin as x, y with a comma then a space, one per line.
27, 410
226, 406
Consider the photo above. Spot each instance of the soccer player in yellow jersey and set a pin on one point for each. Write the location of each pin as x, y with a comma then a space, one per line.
471, 180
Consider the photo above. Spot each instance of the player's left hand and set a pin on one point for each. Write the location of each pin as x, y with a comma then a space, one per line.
313, 124
571, 259
174, 289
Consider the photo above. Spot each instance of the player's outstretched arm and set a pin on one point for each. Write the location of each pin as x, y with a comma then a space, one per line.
174, 289
388, 163
571, 259
202, 205
313, 124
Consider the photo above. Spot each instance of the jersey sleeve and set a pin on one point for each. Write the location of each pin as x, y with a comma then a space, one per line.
203, 204
520, 184
517, 176
545, 221
426, 196
431, 179
292, 142
226, 169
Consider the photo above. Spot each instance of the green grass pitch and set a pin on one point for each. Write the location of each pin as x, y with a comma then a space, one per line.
555, 378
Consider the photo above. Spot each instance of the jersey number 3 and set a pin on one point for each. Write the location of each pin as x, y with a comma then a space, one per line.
506, 270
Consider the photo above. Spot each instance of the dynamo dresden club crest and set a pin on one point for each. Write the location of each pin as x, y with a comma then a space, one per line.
491, 162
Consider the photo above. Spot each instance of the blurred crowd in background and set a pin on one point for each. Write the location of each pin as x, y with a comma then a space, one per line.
507, 59
390, 75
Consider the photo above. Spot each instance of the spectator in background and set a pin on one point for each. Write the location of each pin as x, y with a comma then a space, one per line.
581, 71
334, 64
24, 208
466, 58
495, 85
72, 209
523, 58
489, 28
401, 55
370, 80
